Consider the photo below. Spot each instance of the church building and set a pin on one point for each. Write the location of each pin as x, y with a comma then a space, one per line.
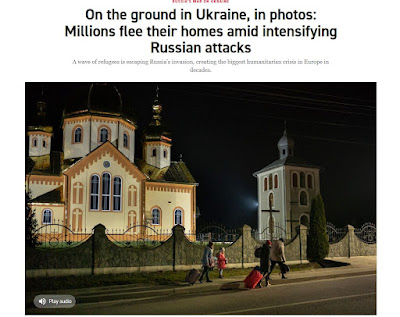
98, 177
285, 189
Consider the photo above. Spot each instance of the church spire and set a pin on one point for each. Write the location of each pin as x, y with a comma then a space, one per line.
285, 145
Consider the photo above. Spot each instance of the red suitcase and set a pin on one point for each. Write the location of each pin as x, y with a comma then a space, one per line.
192, 276
252, 279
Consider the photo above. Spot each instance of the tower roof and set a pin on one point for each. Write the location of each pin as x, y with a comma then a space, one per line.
285, 141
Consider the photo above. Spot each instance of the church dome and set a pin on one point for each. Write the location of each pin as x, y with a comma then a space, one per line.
98, 98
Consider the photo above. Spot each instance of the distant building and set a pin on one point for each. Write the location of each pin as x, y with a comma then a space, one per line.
97, 178
285, 189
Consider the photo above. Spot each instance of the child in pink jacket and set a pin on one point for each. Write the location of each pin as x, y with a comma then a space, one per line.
221, 261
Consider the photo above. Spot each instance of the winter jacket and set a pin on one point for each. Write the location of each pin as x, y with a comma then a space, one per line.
265, 258
221, 261
207, 255
278, 251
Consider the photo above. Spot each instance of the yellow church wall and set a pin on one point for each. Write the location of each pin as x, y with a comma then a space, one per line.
168, 198
112, 220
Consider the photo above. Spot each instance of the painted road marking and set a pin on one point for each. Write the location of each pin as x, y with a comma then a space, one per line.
237, 312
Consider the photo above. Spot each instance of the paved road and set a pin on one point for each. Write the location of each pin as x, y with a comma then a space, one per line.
343, 295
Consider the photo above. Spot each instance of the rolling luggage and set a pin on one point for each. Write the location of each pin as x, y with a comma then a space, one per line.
192, 276
252, 279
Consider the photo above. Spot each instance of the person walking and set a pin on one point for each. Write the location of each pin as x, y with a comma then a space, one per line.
278, 256
206, 261
221, 261
265, 262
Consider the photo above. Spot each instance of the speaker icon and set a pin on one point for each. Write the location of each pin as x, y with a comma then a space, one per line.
42, 301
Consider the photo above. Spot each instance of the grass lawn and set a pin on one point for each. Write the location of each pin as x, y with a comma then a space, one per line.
154, 278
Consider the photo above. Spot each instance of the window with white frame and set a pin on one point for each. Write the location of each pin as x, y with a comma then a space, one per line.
117, 184
105, 191
94, 192
155, 214
47, 216
178, 217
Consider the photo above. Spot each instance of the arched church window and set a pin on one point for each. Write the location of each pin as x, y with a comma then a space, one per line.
34, 142
44, 143
94, 192
310, 183
302, 180
165, 153
270, 181
295, 181
265, 183
178, 217
106, 191
155, 214
271, 200
103, 134
153, 152
125, 140
276, 181
303, 198
47, 216
304, 220
78, 135
117, 185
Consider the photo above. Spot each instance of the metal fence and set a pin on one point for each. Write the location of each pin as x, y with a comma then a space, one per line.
216, 234
335, 234
58, 235
275, 233
367, 233
138, 236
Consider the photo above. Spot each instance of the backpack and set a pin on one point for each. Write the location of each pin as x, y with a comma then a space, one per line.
257, 252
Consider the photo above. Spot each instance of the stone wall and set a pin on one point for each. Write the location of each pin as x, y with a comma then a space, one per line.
98, 255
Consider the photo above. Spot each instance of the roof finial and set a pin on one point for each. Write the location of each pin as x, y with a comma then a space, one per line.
157, 91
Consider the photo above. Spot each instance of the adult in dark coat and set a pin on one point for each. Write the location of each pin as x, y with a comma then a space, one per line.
265, 261
206, 261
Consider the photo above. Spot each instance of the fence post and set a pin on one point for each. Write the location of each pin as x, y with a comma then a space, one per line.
98, 242
303, 242
350, 236
246, 236
178, 234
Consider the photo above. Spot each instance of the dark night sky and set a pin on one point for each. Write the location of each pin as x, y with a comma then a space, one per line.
226, 132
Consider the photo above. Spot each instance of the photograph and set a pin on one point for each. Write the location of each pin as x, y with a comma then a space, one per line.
192, 198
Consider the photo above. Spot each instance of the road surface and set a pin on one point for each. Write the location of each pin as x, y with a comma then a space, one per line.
348, 295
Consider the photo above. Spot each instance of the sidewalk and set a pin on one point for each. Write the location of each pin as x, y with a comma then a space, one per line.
133, 292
